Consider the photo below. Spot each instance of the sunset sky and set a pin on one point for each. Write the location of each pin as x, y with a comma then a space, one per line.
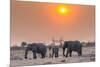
38, 21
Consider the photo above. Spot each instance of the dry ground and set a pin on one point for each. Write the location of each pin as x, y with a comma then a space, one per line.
17, 58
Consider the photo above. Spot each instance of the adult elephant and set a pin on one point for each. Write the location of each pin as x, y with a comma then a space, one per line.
36, 48
72, 46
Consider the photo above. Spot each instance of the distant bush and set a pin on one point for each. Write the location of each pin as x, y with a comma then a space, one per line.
88, 44
17, 48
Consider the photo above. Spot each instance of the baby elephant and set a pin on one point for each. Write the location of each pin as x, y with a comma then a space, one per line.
55, 51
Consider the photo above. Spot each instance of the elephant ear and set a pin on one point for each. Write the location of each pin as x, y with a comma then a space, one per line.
65, 44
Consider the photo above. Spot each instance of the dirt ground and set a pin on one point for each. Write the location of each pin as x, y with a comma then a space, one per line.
17, 58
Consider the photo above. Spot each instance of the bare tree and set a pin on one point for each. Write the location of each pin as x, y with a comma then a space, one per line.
61, 40
23, 44
53, 40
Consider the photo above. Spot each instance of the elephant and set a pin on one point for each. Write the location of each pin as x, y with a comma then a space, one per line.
39, 48
55, 51
50, 50
72, 46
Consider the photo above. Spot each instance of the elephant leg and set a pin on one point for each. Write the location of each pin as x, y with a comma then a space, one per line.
57, 54
67, 53
34, 55
42, 55
26, 52
70, 53
52, 54
64, 52
80, 52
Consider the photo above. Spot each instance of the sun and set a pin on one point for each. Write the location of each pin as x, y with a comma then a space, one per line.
62, 10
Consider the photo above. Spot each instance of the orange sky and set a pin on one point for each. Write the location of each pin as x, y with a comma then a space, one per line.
35, 22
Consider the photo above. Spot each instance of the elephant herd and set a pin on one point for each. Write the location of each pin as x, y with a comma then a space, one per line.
40, 48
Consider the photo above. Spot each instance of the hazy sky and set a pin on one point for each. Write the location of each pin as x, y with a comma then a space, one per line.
36, 22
